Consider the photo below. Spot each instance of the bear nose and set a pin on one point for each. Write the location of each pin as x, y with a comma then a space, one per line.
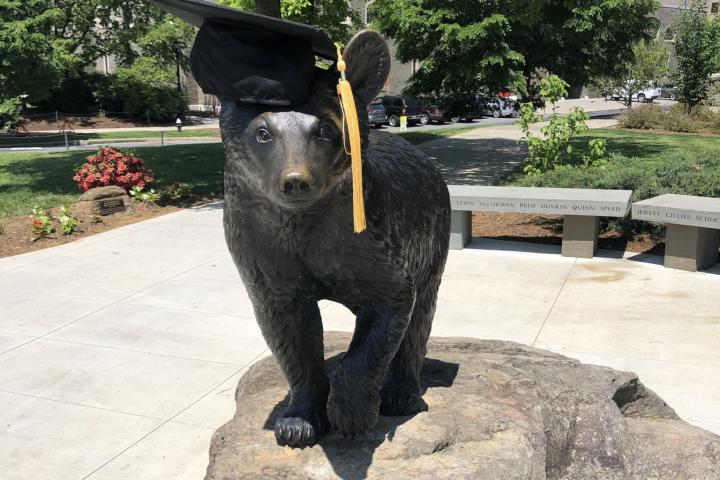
296, 182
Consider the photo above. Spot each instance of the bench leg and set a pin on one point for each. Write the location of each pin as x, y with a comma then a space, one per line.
460, 229
691, 248
580, 236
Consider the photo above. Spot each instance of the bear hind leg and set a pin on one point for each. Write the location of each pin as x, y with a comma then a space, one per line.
401, 393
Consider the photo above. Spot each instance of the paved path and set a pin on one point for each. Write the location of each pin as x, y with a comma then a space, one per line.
120, 353
482, 156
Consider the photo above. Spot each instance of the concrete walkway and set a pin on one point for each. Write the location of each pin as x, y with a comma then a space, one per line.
483, 155
120, 353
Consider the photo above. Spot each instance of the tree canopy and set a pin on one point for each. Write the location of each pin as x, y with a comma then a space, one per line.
43, 41
648, 63
330, 15
697, 47
29, 59
465, 45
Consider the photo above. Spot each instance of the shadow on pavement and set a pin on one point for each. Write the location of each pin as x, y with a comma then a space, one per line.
480, 161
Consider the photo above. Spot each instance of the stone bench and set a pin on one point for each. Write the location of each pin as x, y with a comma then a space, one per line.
693, 228
582, 210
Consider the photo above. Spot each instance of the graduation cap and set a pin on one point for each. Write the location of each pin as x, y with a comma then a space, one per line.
250, 57
264, 60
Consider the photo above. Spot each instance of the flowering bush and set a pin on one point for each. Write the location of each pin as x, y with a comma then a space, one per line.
41, 223
112, 167
139, 194
68, 223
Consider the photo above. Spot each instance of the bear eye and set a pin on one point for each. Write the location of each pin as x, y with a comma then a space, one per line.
262, 135
326, 132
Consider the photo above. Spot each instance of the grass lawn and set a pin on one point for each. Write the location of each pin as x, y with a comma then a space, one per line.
650, 146
648, 163
45, 179
7, 141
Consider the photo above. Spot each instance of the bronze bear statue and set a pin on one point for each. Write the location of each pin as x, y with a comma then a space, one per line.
288, 225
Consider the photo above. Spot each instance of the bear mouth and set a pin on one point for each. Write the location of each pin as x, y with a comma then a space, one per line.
295, 204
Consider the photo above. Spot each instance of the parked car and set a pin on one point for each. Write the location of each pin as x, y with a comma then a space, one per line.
401, 106
377, 115
495, 107
668, 91
461, 109
432, 113
647, 94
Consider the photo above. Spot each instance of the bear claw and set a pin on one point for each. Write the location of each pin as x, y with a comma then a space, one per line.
297, 432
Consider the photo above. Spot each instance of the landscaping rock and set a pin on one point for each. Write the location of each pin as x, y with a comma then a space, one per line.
496, 410
103, 201
99, 193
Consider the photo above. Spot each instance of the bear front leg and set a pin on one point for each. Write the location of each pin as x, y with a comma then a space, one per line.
295, 337
354, 402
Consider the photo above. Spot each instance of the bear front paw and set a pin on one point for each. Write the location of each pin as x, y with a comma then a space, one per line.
298, 432
353, 405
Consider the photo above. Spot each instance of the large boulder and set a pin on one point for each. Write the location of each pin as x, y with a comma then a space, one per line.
496, 411
102, 201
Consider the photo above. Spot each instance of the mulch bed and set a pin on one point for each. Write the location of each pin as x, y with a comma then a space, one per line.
547, 229
16, 238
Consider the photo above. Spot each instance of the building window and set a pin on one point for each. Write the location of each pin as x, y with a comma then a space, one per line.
714, 7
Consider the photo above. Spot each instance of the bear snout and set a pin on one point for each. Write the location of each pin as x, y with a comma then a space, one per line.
296, 182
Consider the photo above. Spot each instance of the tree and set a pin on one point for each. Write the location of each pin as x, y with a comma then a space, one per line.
29, 64
147, 88
330, 15
697, 46
554, 146
464, 45
648, 62
45, 41
166, 41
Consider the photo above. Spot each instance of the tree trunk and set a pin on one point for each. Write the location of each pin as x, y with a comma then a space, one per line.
271, 8
575, 91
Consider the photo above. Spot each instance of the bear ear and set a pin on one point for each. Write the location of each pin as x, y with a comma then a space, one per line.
368, 65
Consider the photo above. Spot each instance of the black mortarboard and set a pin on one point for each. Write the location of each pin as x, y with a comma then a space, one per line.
249, 57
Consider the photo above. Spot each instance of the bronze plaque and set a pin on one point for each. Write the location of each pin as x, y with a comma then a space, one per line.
109, 206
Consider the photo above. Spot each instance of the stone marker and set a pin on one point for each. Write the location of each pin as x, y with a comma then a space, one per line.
103, 201
693, 228
496, 410
582, 209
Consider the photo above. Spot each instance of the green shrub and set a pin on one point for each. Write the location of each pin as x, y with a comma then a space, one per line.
643, 117
109, 93
554, 146
10, 110
75, 93
680, 122
676, 172
151, 89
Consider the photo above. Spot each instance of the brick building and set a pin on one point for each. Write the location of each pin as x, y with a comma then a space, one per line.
669, 12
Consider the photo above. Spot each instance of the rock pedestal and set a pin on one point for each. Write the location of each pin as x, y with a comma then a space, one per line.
496, 411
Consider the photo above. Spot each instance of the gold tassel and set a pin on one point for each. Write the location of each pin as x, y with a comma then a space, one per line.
350, 118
